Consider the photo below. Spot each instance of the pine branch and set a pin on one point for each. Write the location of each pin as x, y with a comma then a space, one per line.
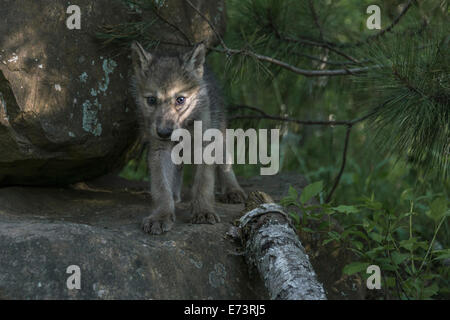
348, 123
209, 23
185, 37
316, 19
381, 33
443, 100
416, 118
308, 73
263, 115
330, 62
289, 67
313, 43
344, 161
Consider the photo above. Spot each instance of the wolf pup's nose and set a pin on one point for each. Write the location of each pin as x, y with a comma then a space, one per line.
164, 133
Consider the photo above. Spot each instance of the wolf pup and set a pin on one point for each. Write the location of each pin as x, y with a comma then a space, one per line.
172, 93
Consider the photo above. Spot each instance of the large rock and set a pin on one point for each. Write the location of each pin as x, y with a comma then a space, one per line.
65, 111
45, 230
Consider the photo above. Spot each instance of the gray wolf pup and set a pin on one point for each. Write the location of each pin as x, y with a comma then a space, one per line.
172, 92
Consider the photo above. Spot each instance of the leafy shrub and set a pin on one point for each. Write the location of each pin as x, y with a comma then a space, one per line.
406, 245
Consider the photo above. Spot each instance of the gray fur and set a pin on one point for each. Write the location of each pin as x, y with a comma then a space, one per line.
167, 77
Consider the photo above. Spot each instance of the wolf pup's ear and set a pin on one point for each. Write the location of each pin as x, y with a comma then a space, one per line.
140, 57
194, 61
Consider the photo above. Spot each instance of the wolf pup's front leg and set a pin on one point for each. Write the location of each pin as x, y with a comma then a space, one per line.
163, 173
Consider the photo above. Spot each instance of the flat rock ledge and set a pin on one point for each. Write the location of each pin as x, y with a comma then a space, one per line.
96, 227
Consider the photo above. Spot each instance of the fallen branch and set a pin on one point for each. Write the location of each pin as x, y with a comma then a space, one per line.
272, 246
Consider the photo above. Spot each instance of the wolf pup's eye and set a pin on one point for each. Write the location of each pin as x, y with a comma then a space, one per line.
151, 101
181, 101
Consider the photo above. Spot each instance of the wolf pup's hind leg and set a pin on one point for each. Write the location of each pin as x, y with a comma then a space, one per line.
230, 188
203, 195
231, 191
177, 183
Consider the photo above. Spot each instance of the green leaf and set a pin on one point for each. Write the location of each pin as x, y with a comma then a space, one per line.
358, 245
293, 193
334, 235
408, 244
372, 204
430, 291
359, 234
390, 282
346, 209
399, 257
310, 191
442, 254
438, 209
291, 198
327, 241
355, 267
375, 252
376, 237
295, 217
413, 243
408, 194
389, 267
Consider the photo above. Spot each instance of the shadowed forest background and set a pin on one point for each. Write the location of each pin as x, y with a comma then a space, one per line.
371, 136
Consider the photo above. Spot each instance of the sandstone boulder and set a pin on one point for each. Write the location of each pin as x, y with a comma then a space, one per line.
63, 103
65, 111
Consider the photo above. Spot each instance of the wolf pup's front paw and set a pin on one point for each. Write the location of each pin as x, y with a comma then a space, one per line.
205, 217
156, 224
202, 214
234, 196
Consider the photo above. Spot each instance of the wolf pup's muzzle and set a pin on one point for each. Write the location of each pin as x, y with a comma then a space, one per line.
164, 133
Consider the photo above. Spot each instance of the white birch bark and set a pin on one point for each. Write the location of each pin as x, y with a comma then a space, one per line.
272, 246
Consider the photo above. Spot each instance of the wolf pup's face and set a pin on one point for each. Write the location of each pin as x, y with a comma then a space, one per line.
168, 89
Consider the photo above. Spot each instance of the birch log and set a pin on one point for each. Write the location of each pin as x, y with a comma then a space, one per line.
272, 246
